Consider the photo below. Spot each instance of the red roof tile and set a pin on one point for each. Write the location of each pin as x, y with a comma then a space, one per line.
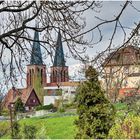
14, 93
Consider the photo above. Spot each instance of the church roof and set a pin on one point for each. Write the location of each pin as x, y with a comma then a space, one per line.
13, 94
59, 60
36, 56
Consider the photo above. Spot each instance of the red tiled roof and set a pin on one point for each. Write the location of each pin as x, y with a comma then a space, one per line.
25, 94
14, 93
10, 97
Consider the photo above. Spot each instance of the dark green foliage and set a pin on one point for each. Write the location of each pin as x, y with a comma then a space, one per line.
96, 113
45, 107
19, 106
16, 130
29, 132
61, 109
91, 74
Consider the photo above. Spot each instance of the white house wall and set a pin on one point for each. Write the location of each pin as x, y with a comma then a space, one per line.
50, 99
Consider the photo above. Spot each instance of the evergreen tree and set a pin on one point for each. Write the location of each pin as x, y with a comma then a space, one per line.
19, 106
96, 113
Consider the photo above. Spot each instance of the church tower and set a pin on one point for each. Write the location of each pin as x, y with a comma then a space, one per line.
59, 71
36, 70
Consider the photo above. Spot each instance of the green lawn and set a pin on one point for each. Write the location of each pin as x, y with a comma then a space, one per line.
56, 127
52, 128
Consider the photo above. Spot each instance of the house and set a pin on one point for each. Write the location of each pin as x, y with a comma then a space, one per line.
122, 72
27, 95
38, 90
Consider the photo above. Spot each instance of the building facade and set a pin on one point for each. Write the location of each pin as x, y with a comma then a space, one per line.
122, 72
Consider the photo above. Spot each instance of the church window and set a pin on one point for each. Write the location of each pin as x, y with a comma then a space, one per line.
30, 76
32, 71
37, 69
64, 75
41, 76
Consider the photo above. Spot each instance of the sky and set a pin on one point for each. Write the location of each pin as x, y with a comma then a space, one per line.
108, 10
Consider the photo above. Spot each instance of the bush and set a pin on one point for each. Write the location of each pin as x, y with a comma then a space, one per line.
29, 132
45, 107
70, 106
5, 112
48, 107
4, 128
61, 110
128, 129
16, 130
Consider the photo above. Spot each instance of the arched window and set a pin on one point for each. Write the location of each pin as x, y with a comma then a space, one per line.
41, 76
30, 76
64, 75
38, 72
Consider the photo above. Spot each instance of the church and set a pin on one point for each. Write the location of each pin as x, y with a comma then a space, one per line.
38, 90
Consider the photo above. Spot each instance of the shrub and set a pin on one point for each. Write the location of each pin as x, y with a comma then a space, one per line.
40, 107
70, 106
5, 112
45, 107
61, 109
4, 128
29, 132
48, 107
128, 129
16, 130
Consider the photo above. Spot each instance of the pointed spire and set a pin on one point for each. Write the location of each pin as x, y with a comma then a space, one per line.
36, 56
59, 60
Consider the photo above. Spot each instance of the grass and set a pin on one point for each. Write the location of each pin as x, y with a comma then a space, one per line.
56, 125
52, 128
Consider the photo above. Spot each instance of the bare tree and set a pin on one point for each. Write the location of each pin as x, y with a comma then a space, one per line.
67, 16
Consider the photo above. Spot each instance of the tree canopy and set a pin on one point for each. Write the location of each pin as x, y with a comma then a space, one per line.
95, 113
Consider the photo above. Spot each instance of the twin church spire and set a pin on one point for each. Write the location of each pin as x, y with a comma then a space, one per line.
59, 60
59, 72
36, 56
